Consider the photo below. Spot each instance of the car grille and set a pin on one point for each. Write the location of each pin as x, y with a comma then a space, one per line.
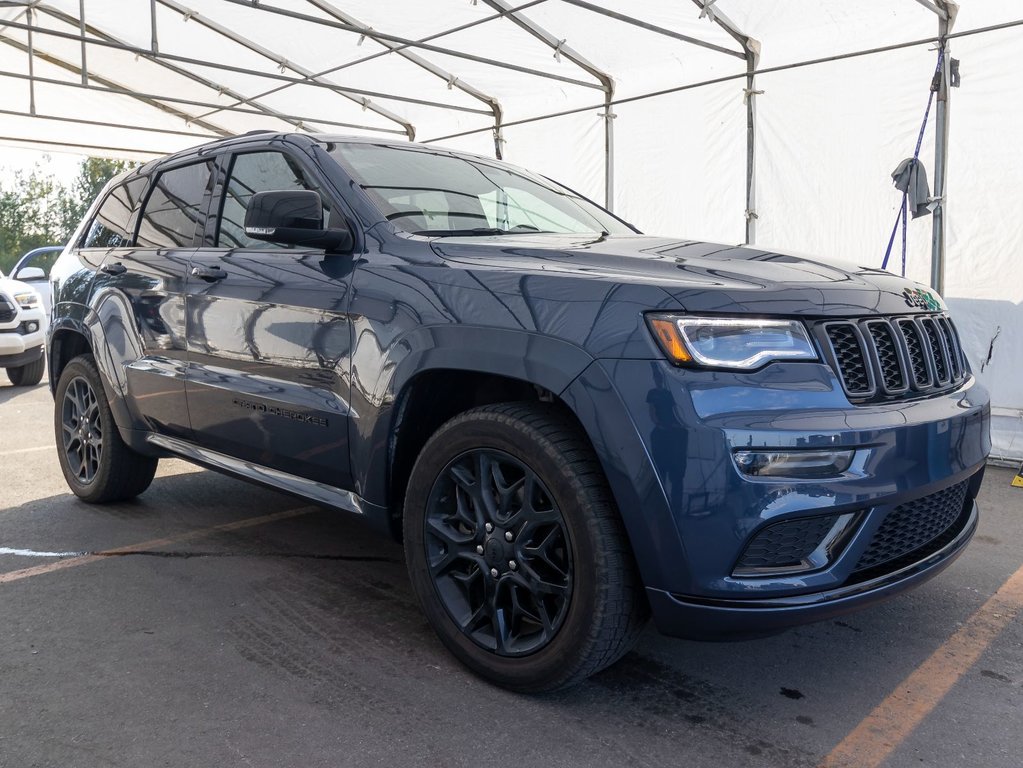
784, 546
912, 528
7, 311
890, 358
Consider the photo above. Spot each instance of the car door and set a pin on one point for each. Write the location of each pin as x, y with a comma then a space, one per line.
138, 292
268, 334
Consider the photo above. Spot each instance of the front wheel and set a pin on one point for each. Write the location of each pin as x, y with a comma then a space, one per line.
516, 551
27, 375
97, 464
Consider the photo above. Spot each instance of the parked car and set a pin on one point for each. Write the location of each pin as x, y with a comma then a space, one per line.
22, 331
34, 268
570, 425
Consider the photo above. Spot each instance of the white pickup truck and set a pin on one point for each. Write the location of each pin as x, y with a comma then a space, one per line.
22, 329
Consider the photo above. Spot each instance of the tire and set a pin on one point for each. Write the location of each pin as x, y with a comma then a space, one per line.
567, 600
27, 375
97, 465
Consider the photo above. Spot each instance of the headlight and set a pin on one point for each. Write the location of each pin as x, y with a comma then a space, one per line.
27, 300
716, 342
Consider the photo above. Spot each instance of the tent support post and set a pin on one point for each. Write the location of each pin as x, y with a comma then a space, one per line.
81, 29
498, 130
752, 57
609, 151
31, 66
153, 44
941, 125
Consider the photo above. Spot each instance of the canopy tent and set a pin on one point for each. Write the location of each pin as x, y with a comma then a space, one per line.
756, 121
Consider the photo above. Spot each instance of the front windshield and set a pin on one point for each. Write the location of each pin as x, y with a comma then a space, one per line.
427, 192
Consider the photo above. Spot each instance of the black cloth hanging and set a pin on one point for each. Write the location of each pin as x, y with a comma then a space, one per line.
911, 177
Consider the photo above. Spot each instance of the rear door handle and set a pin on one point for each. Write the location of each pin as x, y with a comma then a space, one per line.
209, 274
114, 269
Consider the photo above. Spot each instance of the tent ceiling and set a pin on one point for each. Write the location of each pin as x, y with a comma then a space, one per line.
149, 76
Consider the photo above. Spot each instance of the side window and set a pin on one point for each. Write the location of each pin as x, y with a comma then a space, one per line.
259, 172
175, 207
109, 228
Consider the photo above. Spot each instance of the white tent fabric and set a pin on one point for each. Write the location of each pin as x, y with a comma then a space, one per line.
161, 75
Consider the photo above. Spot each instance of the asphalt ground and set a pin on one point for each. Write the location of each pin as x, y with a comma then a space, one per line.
223, 624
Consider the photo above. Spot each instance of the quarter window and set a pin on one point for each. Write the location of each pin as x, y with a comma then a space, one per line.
175, 207
109, 228
259, 172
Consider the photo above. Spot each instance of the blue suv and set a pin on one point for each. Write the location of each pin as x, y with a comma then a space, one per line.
572, 426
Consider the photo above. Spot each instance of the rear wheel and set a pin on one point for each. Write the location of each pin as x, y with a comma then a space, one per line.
97, 465
27, 375
516, 551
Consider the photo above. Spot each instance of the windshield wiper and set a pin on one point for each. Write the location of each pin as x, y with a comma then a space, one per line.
480, 231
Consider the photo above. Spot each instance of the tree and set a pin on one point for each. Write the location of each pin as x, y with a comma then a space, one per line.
37, 210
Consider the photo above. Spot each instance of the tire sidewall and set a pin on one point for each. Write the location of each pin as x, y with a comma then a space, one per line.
559, 657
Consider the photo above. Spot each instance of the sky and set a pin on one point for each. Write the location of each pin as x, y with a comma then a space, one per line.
62, 165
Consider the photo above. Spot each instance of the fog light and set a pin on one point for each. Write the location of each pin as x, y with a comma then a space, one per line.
796, 464
33, 326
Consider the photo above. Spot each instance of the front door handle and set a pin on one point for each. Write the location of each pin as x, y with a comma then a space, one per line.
209, 274
114, 269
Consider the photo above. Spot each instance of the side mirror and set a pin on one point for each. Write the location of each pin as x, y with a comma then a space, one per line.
293, 217
29, 273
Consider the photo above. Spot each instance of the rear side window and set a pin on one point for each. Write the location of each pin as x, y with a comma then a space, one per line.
109, 228
259, 172
175, 207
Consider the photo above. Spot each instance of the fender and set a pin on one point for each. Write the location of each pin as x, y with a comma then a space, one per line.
78, 319
379, 381
642, 502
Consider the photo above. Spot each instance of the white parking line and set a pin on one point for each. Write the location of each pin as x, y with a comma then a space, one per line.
28, 450
34, 553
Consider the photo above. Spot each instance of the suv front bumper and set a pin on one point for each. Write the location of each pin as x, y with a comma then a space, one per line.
690, 512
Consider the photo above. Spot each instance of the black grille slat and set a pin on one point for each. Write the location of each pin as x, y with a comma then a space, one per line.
915, 347
938, 354
887, 353
852, 364
786, 544
948, 335
911, 527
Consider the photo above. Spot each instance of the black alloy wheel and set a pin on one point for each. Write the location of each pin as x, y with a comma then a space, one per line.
82, 430
97, 464
516, 551
498, 552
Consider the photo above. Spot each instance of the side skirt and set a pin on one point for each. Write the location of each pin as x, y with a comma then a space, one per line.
321, 493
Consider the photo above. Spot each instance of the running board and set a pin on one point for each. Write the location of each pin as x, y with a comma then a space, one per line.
274, 478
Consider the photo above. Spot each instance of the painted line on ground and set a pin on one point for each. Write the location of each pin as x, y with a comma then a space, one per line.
16, 451
73, 562
895, 718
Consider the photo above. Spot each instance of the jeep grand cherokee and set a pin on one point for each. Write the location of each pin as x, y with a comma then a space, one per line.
570, 425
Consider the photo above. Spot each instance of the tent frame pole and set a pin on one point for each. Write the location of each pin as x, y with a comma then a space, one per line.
605, 80
946, 19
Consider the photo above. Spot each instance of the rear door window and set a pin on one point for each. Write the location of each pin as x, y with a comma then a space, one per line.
259, 172
176, 207
110, 228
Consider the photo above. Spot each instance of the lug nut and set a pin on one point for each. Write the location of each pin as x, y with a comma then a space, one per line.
493, 572
512, 564
479, 549
490, 527
508, 536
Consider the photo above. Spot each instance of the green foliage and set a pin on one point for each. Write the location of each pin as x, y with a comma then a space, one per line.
37, 210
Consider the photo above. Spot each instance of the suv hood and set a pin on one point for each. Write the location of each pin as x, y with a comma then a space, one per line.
702, 277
